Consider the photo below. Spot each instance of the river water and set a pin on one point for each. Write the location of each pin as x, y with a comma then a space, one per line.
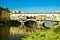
13, 32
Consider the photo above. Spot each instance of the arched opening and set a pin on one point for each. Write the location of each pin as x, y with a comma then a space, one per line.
49, 24
15, 23
30, 23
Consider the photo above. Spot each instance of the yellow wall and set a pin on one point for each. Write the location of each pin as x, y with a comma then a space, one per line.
5, 15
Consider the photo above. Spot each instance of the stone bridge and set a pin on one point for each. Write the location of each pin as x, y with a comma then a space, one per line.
36, 23
35, 19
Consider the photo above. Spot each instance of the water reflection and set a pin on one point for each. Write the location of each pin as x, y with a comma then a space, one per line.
4, 32
13, 33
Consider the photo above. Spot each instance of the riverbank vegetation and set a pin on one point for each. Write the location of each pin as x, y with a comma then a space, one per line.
51, 34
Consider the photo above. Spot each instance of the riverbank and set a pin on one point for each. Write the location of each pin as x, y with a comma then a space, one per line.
9, 23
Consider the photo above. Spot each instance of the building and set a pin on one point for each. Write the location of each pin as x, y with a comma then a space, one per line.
4, 13
39, 16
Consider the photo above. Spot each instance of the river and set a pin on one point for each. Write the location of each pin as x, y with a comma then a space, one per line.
13, 32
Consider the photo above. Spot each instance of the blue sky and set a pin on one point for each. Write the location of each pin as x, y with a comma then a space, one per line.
32, 5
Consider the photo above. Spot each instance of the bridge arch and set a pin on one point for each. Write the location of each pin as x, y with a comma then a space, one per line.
30, 23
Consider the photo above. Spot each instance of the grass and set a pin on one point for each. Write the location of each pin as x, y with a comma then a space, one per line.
52, 34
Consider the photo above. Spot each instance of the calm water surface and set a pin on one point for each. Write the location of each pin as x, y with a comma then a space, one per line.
13, 32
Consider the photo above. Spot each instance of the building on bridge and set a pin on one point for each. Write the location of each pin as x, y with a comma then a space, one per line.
38, 16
